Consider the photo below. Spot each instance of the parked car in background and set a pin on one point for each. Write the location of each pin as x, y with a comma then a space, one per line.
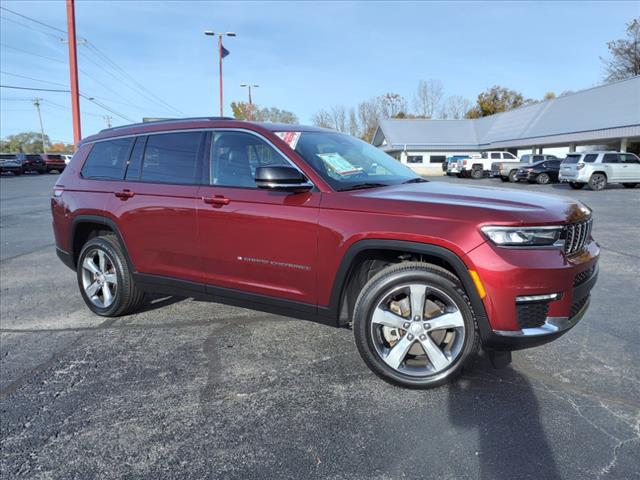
54, 161
506, 170
453, 164
543, 172
10, 164
28, 162
599, 168
479, 165
322, 226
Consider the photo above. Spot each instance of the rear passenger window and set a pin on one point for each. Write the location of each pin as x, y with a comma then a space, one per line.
107, 159
610, 158
172, 158
590, 158
538, 158
495, 155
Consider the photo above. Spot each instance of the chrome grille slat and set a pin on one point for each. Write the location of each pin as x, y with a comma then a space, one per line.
576, 236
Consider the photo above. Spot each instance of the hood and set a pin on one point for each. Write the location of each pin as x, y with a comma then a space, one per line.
478, 203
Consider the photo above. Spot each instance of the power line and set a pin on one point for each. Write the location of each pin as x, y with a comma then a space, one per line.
35, 89
34, 79
34, 20
29, 27
34, 54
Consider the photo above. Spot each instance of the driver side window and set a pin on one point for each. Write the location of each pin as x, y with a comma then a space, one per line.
235, 156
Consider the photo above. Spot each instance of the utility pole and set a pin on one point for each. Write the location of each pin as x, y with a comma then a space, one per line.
108, 118
36, 103
73, 71
221, 54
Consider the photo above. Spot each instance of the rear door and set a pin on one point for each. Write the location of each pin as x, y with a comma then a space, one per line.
254, 240
630, 167
569, 167
155, 205
612, 167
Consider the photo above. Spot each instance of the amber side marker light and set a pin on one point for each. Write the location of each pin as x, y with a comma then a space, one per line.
478, 283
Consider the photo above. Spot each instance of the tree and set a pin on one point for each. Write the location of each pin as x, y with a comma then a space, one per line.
61, 147
624, 60
390, 105
244, 111
428, 98
455, 107
494, 100
322, 119
549, 96
25, 142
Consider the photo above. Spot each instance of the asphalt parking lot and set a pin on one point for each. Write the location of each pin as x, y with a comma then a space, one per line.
189, 389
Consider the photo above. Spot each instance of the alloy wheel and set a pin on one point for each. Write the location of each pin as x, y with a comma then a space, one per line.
417, 330
99, 278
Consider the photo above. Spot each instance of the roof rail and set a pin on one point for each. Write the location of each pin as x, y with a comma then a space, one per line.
165, 120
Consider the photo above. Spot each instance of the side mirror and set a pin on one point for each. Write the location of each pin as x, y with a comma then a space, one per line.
283, 178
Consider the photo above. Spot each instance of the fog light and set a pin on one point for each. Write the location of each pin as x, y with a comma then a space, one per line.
548, 297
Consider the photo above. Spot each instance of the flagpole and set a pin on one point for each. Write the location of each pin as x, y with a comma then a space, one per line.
220, 61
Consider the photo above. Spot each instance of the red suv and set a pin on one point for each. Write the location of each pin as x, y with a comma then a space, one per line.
318, 225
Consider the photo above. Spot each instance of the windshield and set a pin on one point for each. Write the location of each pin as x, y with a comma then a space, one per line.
345, 162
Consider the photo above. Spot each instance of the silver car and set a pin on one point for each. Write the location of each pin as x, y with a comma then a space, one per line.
597, 169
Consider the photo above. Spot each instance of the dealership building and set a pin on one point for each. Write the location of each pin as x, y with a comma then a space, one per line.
607, 116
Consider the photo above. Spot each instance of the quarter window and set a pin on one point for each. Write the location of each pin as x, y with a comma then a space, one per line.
590, 158
235, 156
107, 159
172, 158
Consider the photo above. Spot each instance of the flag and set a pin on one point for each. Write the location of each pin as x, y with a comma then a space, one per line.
223, 51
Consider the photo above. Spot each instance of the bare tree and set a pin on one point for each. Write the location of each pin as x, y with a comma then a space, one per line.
624, 61
322, 118
390, 105
339, 118
354, 128
455, 107
368, 116
428, 98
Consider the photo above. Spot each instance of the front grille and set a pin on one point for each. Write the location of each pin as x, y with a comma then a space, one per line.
576, 236
531, 315
576, 306
583, 276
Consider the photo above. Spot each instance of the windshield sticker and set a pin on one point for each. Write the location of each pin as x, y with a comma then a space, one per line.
290, 138
339, 164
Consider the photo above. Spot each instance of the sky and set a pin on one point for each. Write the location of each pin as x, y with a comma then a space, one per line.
151, 58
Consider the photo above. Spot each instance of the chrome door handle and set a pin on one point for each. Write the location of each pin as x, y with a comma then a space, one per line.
124, 194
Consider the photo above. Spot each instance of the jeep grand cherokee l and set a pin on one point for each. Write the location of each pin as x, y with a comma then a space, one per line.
318, 225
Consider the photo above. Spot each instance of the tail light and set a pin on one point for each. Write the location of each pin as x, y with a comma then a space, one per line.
580, 166
464, 162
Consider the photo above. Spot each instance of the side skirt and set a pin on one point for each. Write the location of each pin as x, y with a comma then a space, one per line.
227, 296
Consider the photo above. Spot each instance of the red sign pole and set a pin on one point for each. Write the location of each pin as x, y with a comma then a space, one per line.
73, 71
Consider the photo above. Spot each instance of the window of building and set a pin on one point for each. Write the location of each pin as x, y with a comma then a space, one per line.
172, 158
437, 158
107, 159
414, 159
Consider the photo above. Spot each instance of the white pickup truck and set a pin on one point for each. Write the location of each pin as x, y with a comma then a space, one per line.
479, 165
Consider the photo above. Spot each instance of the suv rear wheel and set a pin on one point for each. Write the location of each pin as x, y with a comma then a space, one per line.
105, 281
598, 181
414, 326
477, 173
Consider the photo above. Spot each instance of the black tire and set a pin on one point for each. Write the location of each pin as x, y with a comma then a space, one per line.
42, 171
629, 185
375, 291
576, 185
504, 179
477, 173
597, 182
543, 179
127, 298
512, 176
17, 173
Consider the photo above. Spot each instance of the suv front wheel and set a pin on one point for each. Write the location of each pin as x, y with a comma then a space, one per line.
414, 326
105, 280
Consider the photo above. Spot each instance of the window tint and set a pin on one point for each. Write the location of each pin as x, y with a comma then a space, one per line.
135, 161
495, 155
590, 158
553, 163
172, 158
610, 158
629, 158
508, 156
235, 157
7, 156
538, 158
414, 159
484, 155
436, 158
572, 158
107, 159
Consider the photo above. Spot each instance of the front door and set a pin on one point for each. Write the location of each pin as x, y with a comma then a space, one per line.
254, 240
630, 167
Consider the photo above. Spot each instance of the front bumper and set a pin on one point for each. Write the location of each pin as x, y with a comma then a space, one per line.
507, 273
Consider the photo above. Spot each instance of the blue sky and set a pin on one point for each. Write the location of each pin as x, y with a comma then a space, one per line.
305, 56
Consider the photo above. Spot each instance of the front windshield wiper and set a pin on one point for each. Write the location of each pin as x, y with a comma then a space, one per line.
359, 186
416, 180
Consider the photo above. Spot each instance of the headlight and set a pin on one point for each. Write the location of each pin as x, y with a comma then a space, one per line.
522, 236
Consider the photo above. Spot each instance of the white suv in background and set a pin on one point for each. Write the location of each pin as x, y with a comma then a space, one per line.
600, 168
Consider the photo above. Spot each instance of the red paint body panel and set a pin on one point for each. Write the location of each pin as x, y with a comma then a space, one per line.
290, 246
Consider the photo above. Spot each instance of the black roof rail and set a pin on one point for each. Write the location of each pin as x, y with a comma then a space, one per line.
165, 120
